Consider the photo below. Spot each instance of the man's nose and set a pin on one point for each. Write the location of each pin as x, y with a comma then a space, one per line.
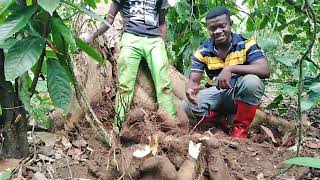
217, 31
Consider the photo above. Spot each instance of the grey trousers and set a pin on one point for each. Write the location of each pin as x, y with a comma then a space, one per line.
248, 89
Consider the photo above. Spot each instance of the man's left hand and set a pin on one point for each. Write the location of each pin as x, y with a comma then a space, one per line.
223, 81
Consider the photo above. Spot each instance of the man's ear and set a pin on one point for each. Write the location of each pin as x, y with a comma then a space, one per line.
231, 22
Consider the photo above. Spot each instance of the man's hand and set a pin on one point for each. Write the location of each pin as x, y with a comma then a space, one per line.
191, 94
223, 81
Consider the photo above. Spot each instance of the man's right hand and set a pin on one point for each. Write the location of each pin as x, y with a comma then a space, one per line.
191, 94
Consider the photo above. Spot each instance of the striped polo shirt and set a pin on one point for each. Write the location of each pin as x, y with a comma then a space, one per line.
242, 51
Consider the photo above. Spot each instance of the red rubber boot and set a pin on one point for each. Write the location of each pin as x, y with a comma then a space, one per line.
244, 117
212, 116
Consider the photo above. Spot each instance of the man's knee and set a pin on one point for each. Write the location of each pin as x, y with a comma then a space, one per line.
251, 89
252, 83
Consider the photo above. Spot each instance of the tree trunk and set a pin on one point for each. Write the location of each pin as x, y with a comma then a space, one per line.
14, 143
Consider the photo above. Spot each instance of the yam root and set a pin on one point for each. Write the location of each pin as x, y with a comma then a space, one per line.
187, 170
161, 165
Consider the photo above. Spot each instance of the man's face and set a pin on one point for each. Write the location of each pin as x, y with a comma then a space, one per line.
219, 29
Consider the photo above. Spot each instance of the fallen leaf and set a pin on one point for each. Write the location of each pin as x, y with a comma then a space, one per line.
46, 158
39, 176
49, 139
289, 140
313, 145
260, 176
269, 133
194, 149
75, 153
80, 143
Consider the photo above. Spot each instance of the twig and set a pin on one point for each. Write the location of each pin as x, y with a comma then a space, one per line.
313, 16
196, 125
68, 164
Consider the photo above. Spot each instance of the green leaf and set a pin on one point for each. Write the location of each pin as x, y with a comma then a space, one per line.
89, 50
289, 90
275, 103
250, 25
306, 104
22, 56
58, 85
315, 87
289, 38
87, 11
29, 2
4, 5
24, 94
304, 161
16, 22
5, 175
286, 60
49, 5
8, 44
268, 43
59, 26
39, 115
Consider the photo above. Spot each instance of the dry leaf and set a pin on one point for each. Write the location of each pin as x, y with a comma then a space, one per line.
260, 176
80, 143
49, 139
313, 145
269, 133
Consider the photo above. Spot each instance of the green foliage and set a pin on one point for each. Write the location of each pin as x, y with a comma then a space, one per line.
89, 50
304, 161
22, 56
36, 41
50, 6
58, 85
282, 30
59, 26
6, 174
4, 5
16, 22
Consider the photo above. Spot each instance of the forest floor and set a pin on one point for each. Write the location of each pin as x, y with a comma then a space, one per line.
77, 153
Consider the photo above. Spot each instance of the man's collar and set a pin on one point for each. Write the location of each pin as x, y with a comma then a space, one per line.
236, 38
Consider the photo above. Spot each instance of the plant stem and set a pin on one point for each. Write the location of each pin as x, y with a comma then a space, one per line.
300, 86
86, 108
40, 61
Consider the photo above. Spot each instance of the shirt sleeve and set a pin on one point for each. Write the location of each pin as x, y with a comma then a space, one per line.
254, 52
197, 64
118, 2
164, 5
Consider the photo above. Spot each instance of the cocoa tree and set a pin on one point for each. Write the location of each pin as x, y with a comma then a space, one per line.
36, 42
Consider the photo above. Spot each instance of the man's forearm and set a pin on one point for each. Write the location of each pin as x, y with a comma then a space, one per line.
163, 30
103, 28
261, 70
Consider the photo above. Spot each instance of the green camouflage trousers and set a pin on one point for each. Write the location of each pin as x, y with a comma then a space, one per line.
133, 49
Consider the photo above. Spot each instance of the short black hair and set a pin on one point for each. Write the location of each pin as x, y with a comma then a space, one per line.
218, 11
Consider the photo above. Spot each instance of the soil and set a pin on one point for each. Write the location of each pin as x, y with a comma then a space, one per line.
221, 156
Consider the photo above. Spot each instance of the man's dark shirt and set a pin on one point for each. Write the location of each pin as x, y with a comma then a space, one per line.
142, 16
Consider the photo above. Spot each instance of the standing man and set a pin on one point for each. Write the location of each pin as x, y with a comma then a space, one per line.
143, 38
235, 67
